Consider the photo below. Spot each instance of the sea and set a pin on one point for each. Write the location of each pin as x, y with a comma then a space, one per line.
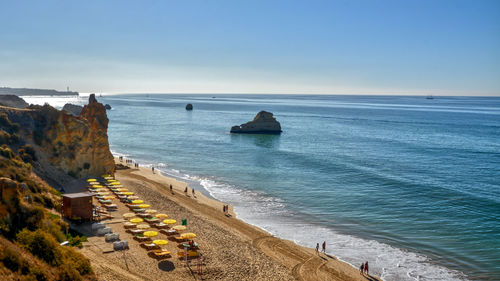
408, 183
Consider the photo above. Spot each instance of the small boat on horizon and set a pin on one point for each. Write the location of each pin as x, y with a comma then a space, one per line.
430, 97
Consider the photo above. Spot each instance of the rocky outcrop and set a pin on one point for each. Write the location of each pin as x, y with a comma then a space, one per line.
13, 101
189, 106
263, 123
65, 144
107, 106
73, 109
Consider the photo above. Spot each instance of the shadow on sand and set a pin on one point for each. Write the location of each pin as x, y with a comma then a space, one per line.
166, 265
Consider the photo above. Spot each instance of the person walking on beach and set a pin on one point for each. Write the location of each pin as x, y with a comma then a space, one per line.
324, 247
186, 191
153, 169
171, 189
192, 191
317, 249
362, 268
366, 268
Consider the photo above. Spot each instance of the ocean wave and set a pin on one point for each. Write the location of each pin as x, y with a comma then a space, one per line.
272, 215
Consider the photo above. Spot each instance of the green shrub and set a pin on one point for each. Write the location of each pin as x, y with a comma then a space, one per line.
68, 273
76, 261
11, 260
27, 153
42, 245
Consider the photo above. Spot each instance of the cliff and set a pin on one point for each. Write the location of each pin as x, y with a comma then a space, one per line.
263, 123
13, 101
63, 144
73, 109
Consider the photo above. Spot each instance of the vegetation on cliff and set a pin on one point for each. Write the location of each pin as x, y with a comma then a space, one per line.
30, 228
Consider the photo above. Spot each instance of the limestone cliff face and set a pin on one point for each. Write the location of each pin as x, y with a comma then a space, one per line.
77, 146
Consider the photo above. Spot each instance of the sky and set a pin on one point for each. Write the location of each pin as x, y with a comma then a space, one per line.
440, 47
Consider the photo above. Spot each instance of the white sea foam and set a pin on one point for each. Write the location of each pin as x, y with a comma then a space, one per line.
56, 101
271, 214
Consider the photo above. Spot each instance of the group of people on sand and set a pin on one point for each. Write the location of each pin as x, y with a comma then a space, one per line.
225, 208
364, 268
323, 248
186, 191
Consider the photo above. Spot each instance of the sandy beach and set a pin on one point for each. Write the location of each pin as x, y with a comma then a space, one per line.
233, 249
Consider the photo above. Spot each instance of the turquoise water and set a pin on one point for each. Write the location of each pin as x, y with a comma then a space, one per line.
407, 183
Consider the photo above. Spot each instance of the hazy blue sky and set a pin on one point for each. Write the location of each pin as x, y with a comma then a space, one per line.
337, 47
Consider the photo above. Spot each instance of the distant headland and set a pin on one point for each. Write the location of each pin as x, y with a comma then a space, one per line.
35, 92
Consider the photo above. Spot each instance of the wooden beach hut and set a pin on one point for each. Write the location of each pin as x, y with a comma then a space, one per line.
77, 206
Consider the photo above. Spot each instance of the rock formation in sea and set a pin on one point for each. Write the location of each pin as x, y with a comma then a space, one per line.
263, 123
107, 106
189, 106
63, 144
73, 109
13, 101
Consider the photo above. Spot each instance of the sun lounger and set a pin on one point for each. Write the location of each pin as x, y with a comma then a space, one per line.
110, 206
136, 231
186, 245
152, 220
141, 238
151, 246
143, 215
139, 210
189, 254
161, 253
169, 231
105, 201
161, 225
129, 225
180, 238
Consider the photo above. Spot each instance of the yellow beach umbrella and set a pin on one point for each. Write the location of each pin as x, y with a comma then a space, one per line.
143, 226
109, 197
188, 235
151, 211
94, 183
115, 183
162, 216
98, 186
105, 176
122, 189
136, 220
169, 221
128, 193
150, 233
137, 201
133, 197
111, 180
91, 180
179, 227
128, 215
160, 242
143, 206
